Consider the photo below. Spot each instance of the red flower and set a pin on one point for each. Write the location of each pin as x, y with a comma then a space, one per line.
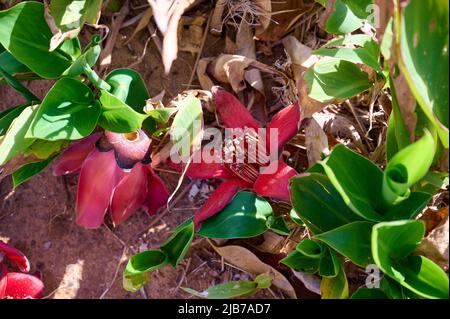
115, 175
239, 176
15, 285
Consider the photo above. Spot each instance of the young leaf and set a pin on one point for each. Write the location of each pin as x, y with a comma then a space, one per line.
299, 262
186, 130
177, 246
424, 32
69, 111
129, 87
357, 180
117, 116
10, 64
14, 141
7, 116
18, 86
278, 225
85, 60
351, 240
26, 35
392, 244
27, 171
329, 264
335, 287
318, 204
369, 293
366, 51
310, 248
331, 79
246, 216
70, 15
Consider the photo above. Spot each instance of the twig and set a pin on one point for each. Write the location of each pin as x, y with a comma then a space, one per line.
124, 252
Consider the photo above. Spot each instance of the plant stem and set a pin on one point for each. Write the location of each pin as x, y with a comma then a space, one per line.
95, 79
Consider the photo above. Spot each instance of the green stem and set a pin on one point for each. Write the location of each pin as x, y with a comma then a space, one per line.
95, 79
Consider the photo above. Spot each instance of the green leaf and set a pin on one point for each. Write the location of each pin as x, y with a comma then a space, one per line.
27, 171
351, 240
246, 216
369, 293
177, 246
10, 64
129, 87
310, 248
233, 289
87, 59
7, 116
161, 115
70, 14
299, 262
14, 141
392, 244
186, 129
318, 204
117, 116
347, 16
278, 225
357, 180
331, 79
43, 149
406, 168
26, 35
329, 264
408, 208
359, 48
335, 287
69, 111
18, 86
424, 42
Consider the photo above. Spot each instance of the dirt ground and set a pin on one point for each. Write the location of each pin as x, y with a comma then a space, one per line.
38, 216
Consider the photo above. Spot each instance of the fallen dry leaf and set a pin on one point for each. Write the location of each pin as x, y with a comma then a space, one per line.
244, 259
143, 23
435, 245
316, 142
311, 282
191, 37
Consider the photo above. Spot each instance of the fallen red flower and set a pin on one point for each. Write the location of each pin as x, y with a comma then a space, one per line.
115, 175
15, 285
244, 175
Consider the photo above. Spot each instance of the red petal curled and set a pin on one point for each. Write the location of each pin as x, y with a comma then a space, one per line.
219, 199
231, 111
287, 122
129, 194
275, 185
15, 256
72, 158
157, 192
23, 286
98, 177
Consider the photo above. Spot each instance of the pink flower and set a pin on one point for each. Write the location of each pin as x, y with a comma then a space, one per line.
115, 176
16, 285
246, 176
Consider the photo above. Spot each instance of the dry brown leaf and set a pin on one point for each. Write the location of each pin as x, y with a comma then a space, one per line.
311, 282
302, 59
203, 78
284, 16
143, 22
167, 14
15, 163
407, 104
191, 37
435, 245
272, 243
244, 259
433, 218
316, 141
216, 19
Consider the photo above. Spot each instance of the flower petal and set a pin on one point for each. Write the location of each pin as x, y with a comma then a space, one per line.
129, 194
157, 192
231, 111
23, 286
275, 185
219, 199
287, 122
3, 280
15, 256
72, 158
98, 177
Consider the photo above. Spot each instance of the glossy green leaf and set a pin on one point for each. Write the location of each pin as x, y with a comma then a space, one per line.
161, 115
318, 204
348, 16
331, 79
246, 216
10, 64
278, 225
424, 42
129, 87
335, 287
359, 48
26, 35
186, 129
117, 116
43, 149
329, 264
19, 87
299, 262
87, 59
27, 171
7, 116
310, 248
357, 180
178, 244
352, 241
233, 289
392, 244
72, 14
69, 111
406, 168
14, 141
369, 293
408, 208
